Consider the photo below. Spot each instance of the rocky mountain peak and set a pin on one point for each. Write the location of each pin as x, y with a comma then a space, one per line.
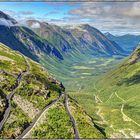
135, 57
6, 19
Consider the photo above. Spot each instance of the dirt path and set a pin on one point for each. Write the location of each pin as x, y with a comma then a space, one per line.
119, 97
125, 117
97, 99
101, 116
110, 97
97, 96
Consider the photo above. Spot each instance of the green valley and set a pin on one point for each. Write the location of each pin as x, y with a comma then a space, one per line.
67, 81
32, 94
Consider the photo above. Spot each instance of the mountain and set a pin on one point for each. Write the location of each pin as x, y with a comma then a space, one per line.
25, 40
7, 20
128, 42
33, 104
82, 39
90, 37
56, 48
119, 93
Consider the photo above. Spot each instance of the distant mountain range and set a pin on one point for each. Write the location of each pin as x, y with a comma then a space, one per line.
54, 46
25, 40
28, 91
83, 39
128, 42
56, 40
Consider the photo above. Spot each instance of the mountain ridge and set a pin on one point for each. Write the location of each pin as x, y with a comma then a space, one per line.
71, 41
128, 42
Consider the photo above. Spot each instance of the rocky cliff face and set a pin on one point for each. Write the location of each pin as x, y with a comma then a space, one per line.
25, 40
80, 39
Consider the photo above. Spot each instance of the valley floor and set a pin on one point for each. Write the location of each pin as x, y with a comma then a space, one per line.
109, 112
90, 110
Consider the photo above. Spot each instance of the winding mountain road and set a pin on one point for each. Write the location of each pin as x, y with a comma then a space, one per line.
71, 118
27, 131
9, 97
35, 120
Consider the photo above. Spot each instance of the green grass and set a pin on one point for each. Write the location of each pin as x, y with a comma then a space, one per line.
124, 80
2, 103
16, 123
13, 63
8, 82
84, 123
37, 88
87, 82
56, 124
82, 88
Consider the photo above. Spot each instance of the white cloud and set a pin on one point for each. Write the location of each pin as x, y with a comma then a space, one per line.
106, 16
5, 22
35, 25
119, 16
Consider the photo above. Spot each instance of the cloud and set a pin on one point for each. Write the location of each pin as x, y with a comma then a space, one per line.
10, 12
26, 12
61, 3
35, 25
51, 13
18, 15
109, 16
106, 16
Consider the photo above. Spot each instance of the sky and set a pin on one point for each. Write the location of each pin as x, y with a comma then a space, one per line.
114, 17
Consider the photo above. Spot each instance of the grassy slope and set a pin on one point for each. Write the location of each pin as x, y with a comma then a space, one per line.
84, 123
56, 124
38, 87
123, 86
11, 63
16, 123
34, 88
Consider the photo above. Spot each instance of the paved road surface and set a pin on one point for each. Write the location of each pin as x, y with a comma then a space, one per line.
71, 118
28, 129
9, 97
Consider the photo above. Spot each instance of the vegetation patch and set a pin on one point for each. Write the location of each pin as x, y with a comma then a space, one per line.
3, 104
57, 124
84, 123
16, 123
